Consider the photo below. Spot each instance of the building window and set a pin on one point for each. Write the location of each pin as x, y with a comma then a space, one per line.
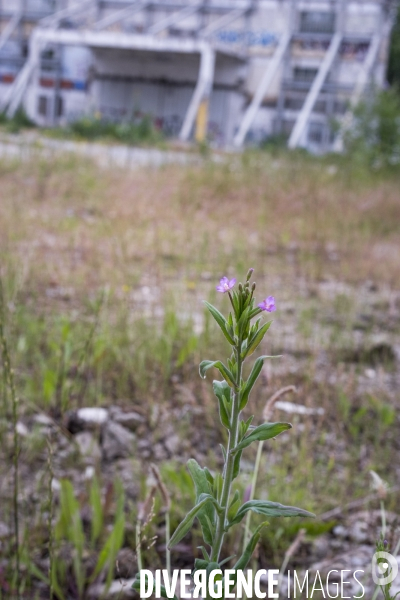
317, 22
42, 106
316, 133
304, 74
59, 106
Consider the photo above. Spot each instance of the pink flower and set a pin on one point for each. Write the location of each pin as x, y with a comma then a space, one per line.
225, 285
268, 304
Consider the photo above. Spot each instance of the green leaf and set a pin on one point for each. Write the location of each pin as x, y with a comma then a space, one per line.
111, 548
223, 413
244, 560
256, 340
222, 322
269, 509
223, 393
97, 511
218, 483
209, 477
254, 312
243, 323
262, 433
200, 564
226, 374
244, 426
205, 553
236, 464
251, 546
226, 560
234, 505
256, 370
223, 450
202, 486
115, 540
185, 526
236, 304
222, 390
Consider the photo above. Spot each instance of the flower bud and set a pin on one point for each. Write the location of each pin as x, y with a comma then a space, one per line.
253, 287
249, 274
240, 287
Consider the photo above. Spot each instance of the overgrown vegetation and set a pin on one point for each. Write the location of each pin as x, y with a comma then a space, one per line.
394, 53
374, 137
140, 130
104, 272
18, 122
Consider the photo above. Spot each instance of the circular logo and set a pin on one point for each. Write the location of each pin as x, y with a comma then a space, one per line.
385, 571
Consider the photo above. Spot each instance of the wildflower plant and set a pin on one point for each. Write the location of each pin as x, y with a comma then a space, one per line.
217, 508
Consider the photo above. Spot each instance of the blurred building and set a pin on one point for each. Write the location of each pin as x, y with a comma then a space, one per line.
236, 71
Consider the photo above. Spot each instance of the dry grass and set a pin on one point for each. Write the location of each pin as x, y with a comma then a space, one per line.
323, 238
72, 226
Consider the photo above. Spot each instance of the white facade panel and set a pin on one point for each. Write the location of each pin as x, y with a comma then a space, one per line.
125, 70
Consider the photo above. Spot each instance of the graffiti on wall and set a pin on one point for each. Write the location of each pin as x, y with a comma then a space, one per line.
247, 37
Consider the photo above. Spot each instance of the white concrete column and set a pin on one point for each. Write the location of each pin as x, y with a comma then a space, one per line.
202, 90
17, 89
304, 115
258, 97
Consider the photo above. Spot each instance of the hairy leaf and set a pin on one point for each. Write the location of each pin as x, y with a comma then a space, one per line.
222, 390
256, 370
269, 509
256, 340
222, 322
202, 486
184, 527
236, 464
234, 505
223, 450
243, 324
204, 553
223, 413
262, 433
226, 374
244, 560
244, 426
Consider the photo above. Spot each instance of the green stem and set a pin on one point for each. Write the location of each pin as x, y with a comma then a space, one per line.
383, 518
138, 542
167, 538
229, 462
50, 516
9, 378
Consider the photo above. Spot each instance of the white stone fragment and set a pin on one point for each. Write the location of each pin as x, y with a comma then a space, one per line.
298, 409
94, 416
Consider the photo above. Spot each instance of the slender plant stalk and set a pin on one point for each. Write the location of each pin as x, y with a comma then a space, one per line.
50, 517
167, 507
138, 542
288, 555
385, 591
167, 539
383, 518
229, 462
9, 376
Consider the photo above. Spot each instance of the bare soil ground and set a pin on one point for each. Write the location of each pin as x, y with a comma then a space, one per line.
104, 272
